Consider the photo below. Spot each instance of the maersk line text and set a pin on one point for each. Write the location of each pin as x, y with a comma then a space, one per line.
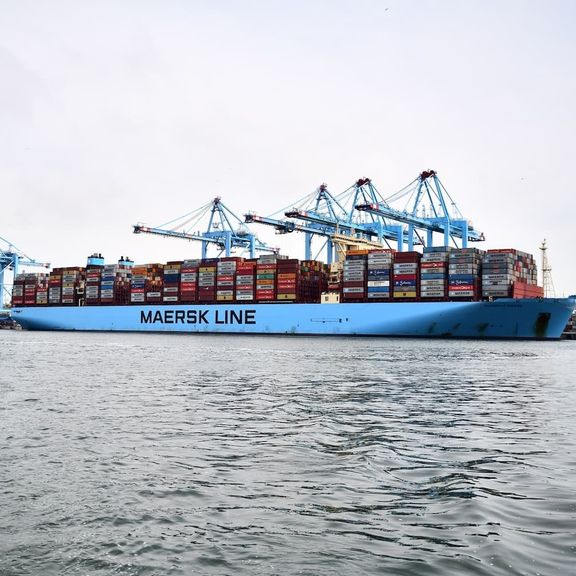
198, 317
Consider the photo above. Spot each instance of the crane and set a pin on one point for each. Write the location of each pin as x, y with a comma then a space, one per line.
11, 258
225, 230
333, 239
427, 195
327, 216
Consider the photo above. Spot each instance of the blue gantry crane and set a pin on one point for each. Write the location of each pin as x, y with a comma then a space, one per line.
11, 258
224, 230
427, 210
335, 220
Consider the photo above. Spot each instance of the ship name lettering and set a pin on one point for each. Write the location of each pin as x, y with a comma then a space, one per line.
235, 317
174, 317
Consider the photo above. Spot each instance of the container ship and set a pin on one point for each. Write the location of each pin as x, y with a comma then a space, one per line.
439, 293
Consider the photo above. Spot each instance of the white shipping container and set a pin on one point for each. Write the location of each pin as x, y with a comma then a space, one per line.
378, 283
438, 282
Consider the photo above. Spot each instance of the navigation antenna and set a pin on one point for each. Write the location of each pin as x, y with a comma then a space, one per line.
547, 282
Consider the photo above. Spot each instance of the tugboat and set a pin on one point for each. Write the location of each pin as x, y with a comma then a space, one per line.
570, 330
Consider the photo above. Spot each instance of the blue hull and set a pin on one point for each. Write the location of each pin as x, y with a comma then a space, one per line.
505, 318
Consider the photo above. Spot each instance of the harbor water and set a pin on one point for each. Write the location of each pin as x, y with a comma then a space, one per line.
135, 454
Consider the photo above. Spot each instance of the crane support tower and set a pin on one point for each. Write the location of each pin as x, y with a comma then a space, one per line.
547, 282
11, 258
335, 221
224, 230
426, 210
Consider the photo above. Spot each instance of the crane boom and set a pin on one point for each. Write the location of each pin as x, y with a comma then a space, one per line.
439, 221
220, 231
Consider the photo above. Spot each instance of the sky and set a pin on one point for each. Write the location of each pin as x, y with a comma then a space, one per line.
119, 112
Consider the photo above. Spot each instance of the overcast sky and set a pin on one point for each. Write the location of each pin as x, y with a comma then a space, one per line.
118, 112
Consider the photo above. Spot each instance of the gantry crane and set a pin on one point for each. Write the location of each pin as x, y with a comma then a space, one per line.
225, 230
426, 195
328, 217
11, 258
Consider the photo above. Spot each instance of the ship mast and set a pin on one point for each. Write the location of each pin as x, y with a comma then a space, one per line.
547, 282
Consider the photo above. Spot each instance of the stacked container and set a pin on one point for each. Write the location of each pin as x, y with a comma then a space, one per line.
18, 290
464, 266
379, 274
171, 283
406, 275
287, 279
72, 285
434, 273
189, 280
153, 286
266, 278
312, 281
503, 269
115, 285
55, 287
225, 278
138, 285
42, 289
354, 275
92, 289
334, 280
245, 280
207, 280
107, 282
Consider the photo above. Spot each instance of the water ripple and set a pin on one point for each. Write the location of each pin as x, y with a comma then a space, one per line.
152, 455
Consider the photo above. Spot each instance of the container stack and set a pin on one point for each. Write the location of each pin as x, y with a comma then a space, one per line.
55, 287
245, 280
115, 285
287, 279
354, 275
72, 285
379, 273
334, 280
509, 272
312, 281
107, 282
153, 286
42, 289
225, 278
207, 280
266, 278
18, 290
434, 273
30, 289
92, 289
171, 282
464, 266
138, 285
189, 281
406, 276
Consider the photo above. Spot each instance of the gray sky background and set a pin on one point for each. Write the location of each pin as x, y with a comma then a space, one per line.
117, 112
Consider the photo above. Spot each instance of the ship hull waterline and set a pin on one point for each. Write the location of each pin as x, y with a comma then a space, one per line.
539, 319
